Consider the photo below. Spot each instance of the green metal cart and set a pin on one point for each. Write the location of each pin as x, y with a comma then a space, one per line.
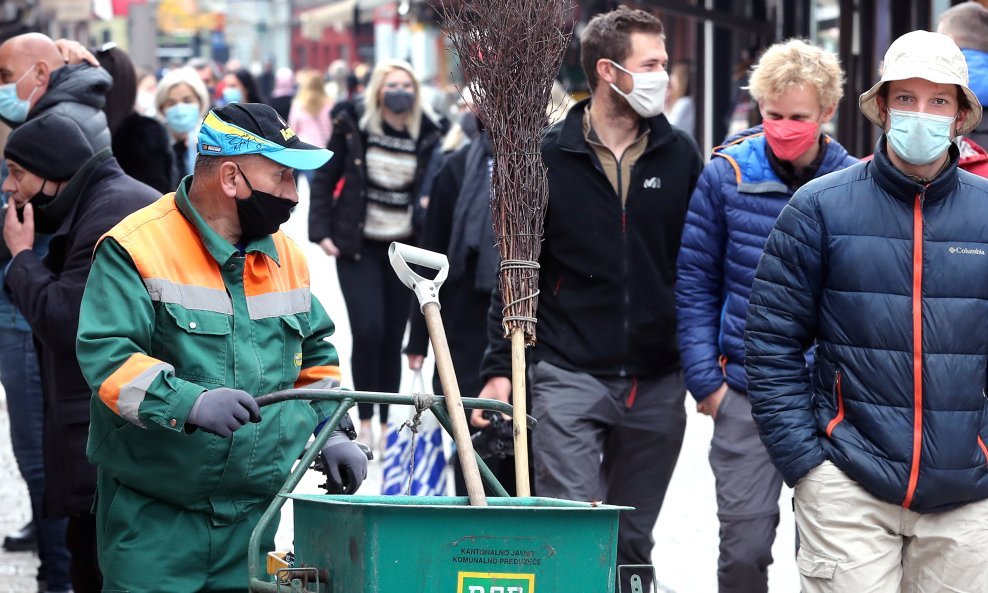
376, 544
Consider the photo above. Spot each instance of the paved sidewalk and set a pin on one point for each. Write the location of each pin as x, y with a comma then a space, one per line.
17, 571
685, 552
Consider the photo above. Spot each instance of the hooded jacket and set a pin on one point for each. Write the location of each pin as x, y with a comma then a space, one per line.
973, 158
890, 279
606, 305
78, 92
48, 291
732, 212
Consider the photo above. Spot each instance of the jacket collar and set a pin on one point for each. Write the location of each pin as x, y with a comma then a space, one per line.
899, 185
748, 152
68, 202
571, 134
221, 249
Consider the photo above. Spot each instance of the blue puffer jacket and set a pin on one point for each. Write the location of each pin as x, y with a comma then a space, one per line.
891, 280
732, 211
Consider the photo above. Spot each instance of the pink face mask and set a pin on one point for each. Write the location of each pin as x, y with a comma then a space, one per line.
789, 139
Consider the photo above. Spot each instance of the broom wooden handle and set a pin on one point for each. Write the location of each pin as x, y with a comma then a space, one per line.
522, 487
454, 404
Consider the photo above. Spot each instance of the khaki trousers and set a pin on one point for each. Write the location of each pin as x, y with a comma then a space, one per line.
851, 542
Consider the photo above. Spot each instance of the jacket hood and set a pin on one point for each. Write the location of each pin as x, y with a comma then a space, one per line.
80, 83
746, 153
62, 209
971, 153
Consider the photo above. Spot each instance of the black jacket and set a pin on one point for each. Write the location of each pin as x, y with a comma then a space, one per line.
78, 92
338, 203
607, 273
143, 150
282, 105
463, 306
48, 292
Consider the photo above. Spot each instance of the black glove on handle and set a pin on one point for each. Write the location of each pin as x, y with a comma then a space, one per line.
345, 463
222, 411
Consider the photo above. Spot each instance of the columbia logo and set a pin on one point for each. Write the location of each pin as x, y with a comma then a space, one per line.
966, 251
653, 183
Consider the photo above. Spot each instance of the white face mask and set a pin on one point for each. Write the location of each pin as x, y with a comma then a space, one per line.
145, 103
648, 93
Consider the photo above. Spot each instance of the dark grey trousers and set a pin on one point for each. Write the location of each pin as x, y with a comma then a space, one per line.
610, 439
748, 488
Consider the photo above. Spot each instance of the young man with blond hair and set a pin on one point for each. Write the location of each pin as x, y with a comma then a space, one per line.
883, 267
737, 200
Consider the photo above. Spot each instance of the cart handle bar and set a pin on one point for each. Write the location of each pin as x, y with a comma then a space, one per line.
378, 397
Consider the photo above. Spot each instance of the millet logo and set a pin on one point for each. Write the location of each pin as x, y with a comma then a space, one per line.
653, 183
966, 251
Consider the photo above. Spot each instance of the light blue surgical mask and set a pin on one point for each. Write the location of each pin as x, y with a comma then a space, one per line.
13, 108
232, 95
919, 138
182, 117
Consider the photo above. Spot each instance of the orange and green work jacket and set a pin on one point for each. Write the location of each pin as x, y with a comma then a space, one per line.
171, 309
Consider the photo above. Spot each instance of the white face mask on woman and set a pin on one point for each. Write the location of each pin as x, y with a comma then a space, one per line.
648, 93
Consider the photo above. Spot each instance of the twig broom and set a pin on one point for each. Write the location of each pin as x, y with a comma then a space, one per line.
510, 52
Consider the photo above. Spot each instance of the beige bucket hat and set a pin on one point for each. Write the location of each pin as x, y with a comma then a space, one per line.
930, 56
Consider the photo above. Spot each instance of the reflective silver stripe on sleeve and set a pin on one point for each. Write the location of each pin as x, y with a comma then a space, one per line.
197, 298
327, 383
275, 304
132, 393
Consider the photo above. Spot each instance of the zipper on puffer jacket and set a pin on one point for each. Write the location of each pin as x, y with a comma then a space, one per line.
917, 323
981, 442
839, 396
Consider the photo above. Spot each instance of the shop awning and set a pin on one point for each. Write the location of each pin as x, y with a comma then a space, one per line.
338, 14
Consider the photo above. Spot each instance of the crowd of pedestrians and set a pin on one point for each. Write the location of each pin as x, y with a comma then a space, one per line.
825, 311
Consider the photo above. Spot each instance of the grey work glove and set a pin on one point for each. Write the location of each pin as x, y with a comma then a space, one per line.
345, 463
222, 411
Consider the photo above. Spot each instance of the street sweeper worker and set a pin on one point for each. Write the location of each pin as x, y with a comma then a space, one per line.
196, 305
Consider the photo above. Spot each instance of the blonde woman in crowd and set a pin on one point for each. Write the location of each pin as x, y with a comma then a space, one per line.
309, 115
361, 201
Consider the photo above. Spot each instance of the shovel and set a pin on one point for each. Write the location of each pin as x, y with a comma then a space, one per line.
427, 293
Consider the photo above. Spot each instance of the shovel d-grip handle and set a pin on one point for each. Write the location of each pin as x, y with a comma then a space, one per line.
426, 290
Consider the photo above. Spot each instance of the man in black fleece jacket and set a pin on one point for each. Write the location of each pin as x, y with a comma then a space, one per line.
607, 387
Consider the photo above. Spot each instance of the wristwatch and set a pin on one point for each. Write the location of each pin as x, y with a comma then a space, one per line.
346, 427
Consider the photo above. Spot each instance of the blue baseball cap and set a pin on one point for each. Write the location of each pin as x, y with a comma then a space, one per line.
254, 128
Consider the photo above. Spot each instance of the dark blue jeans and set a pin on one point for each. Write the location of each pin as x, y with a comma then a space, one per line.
21, 381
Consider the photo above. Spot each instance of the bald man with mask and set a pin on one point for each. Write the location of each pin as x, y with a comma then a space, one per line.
35, 78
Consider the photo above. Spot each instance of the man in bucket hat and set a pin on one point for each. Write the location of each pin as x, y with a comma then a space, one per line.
884, 266
196, 305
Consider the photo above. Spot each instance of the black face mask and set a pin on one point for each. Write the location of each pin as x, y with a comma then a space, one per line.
470, 124
261, 213
399, 101
43, 222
